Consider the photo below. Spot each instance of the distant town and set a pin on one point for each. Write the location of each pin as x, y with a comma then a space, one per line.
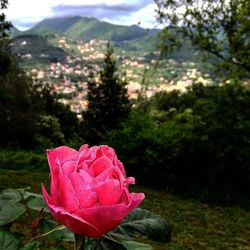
69, 79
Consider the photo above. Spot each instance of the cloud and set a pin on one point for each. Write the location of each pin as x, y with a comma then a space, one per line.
145, 17
124, 7
138, 12
26, 13
100, 10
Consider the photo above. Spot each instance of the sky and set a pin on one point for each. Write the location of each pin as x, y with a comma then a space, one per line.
26, 13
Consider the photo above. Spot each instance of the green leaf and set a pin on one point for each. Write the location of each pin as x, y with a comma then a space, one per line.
31, 246
103, 244
122, 235
10, 211
37, 204
61, 235
25, 193
107, 243
145, 223
59, 248
134, 245
10, 194
8, 241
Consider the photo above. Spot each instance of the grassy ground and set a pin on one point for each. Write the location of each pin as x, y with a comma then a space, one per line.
195, 225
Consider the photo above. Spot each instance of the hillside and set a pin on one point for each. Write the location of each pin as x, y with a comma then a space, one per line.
14, 31
33, 48
85, 29
132, 40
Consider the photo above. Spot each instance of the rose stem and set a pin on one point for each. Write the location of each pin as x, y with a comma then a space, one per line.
79, 242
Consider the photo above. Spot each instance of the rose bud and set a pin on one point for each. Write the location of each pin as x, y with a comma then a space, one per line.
89, 189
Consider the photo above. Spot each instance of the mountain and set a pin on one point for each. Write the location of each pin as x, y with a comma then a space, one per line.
36, 49
14, 30
84, 29
132, 41
42, 41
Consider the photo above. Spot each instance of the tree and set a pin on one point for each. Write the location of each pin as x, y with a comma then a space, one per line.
220, 27
108, 103
4, 39
30, 115
17, 114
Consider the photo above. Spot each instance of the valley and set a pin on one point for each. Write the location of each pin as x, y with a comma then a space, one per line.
62, 52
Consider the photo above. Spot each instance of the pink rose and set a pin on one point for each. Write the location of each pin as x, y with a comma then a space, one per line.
89, 189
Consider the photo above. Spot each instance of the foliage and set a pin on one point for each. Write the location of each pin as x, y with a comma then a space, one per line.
49, 125
14, 203
144, 223
218, 27
108, 103
18, 109
30, 115
4, 42
14, 98
195, 143
17, 159
39, 48
24, 108
68, 121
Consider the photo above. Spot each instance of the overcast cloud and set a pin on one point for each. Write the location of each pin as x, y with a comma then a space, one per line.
26, 13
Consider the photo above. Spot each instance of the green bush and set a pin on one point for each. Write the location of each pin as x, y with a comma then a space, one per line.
198, 144
22, 160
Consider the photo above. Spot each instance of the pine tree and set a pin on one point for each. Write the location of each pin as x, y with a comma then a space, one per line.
16, 112
108, 103
5, 26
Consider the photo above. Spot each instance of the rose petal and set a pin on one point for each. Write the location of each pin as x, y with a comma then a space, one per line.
68, 167
108, 192
111, 173
130, 180
101, 164
82, 186
106, 218
83, 148
107, 151
65, 195
54, 187
135, 200
45, 194
86, 155
125, 198
120, 165
84, 167
86, 176
72, 221
59, 156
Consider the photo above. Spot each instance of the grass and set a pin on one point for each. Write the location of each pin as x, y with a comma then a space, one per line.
195, 225
200, 226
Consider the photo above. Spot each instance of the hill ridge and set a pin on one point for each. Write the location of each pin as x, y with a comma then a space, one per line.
87, 28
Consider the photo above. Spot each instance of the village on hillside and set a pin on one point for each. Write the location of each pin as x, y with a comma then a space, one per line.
69, 79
